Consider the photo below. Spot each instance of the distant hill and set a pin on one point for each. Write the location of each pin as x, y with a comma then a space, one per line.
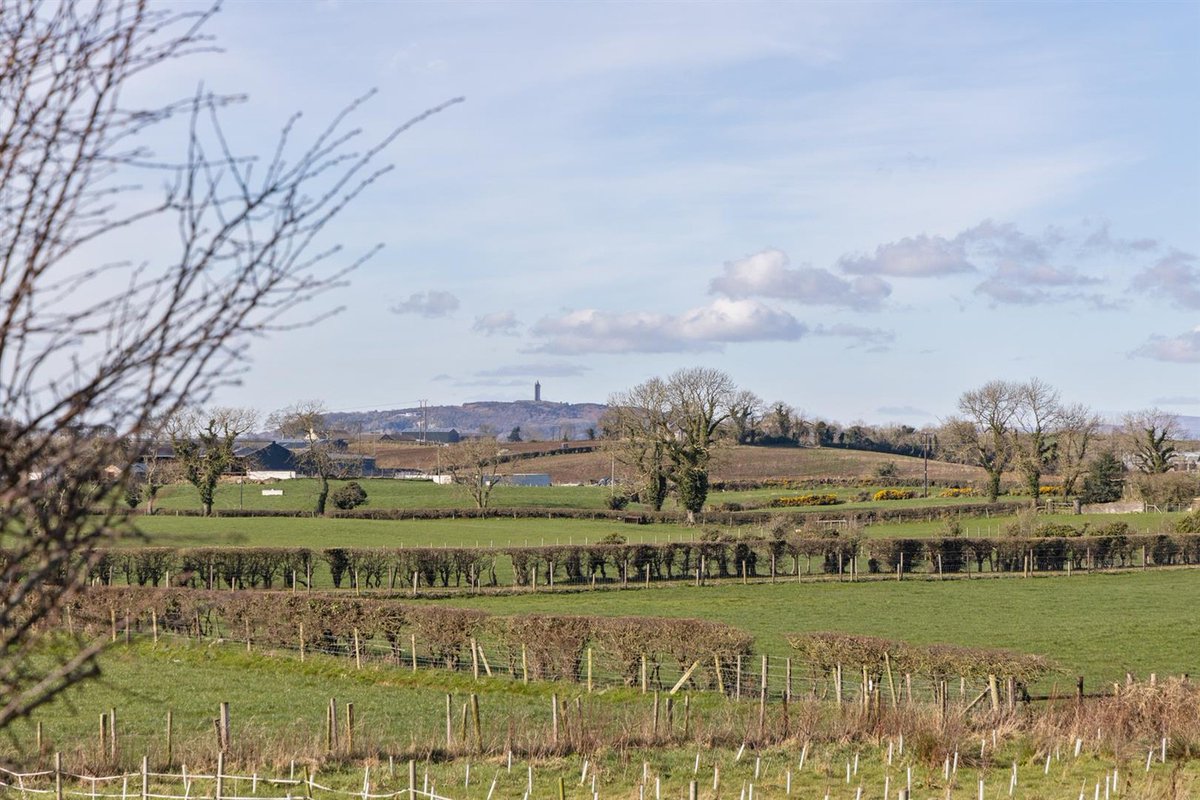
1191, 425
539, 420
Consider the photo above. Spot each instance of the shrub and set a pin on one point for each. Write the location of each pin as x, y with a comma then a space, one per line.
894, 494
1189, 523
349, 496
1044, 491
887, 470
805, 500
618, 502
1060, 529
957, 491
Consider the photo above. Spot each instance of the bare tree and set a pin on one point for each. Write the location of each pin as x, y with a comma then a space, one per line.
1036, 421
667, 430
1079, 427
309, 422
475, 466
637, 422
982, 434
699, 400
156, 472
745, 416
1150, 436
204, 442
89, 343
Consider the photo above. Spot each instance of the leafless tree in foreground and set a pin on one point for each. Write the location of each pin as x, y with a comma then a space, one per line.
96, 353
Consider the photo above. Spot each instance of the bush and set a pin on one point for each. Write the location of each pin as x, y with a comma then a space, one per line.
957, 491
352, 495
1053, 491
894, 494
618, 502
887, 470
1189, 523
805, 500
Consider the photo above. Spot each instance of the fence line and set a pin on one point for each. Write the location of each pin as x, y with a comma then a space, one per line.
51, 782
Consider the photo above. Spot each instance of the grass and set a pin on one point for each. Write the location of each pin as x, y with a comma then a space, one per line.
278, 715
301, 494
1097, 625
1150, 522
166, 530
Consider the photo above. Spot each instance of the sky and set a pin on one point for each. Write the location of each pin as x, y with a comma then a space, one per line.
862, 209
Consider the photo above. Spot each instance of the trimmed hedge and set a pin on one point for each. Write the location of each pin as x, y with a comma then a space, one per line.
554, 645
828, 650
1109, 546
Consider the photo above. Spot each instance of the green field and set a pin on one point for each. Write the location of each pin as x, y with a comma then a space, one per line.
1097, 625
278, 710
166, 530
301, 495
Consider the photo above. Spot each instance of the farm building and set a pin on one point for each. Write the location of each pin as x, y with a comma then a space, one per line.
528, 479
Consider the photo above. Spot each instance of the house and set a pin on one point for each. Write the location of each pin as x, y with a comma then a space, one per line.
260, 462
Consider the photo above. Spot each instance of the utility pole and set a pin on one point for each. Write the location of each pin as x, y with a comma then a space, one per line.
424, 422
928, 439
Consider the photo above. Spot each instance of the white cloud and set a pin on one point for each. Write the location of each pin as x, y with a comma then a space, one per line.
1175, 276
498, 322
428, 304
915, 257
766, 274
705, 328
1181, 349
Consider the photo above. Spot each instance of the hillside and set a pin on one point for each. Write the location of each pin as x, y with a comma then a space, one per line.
537, 420
731, 463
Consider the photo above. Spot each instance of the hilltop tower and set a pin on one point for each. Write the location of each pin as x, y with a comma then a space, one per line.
537, 391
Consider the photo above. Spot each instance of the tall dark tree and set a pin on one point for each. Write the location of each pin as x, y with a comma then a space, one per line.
1150, 439
1104, 480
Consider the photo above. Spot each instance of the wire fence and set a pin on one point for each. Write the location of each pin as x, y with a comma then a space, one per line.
146, 784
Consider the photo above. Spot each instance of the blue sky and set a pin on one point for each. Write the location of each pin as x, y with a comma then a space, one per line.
860, 208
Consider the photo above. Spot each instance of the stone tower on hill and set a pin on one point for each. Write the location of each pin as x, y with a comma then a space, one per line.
537, 391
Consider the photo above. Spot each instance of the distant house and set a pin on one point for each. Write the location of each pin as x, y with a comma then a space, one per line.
259, 462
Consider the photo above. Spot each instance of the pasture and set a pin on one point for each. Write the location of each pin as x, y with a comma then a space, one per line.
279, 726
1100, 626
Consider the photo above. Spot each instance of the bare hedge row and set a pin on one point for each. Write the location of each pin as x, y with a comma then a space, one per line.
551, 647
714, 516
829, 650
724, 557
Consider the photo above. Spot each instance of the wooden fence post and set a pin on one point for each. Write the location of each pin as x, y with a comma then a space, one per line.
476, 722
58, 787
224, 727
349, 728
589, 670
170, 735
554, 719
449, 723
412, 641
